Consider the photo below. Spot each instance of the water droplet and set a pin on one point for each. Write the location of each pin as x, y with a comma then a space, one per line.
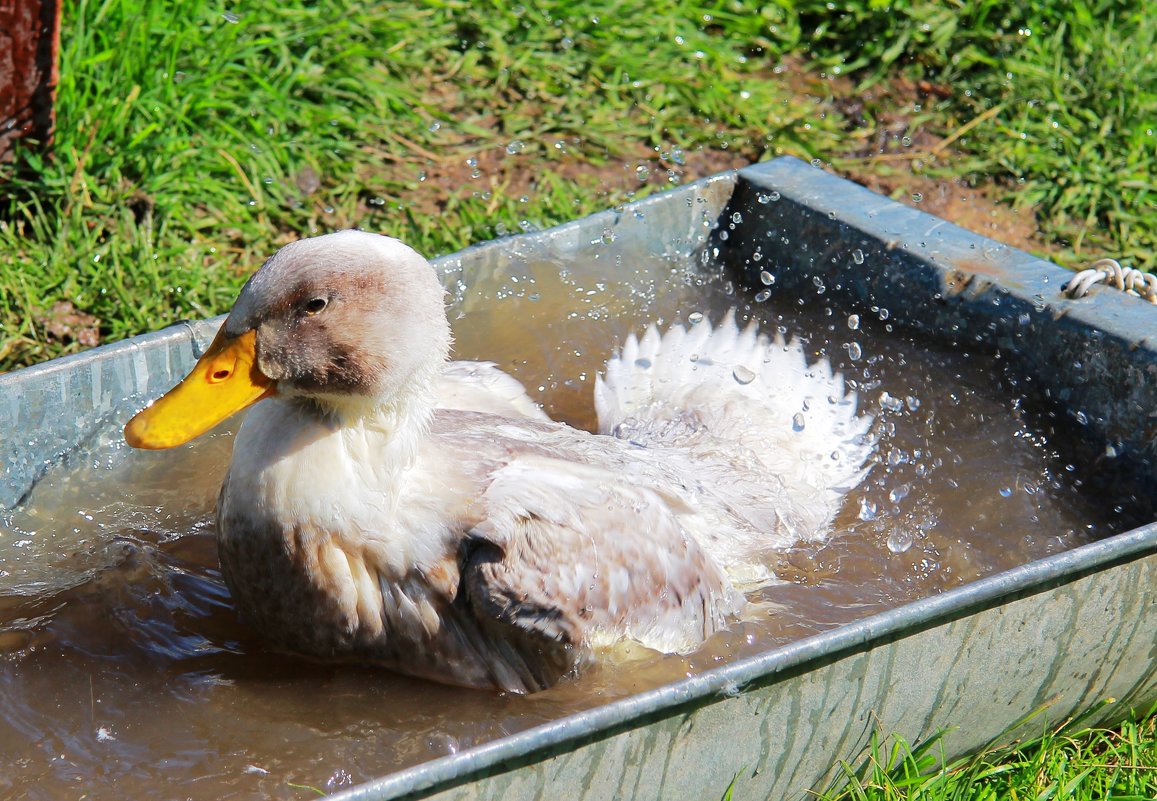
1005, 492
736, 218
858, 256
797, 422
763, 295
743, 375
899, 493
854, 351
442, 743
917, 197
230, 17
766, 278
854, 322
912, 402
434, 126
642, 172
867, 509
695, 317
899, 541
889, 403
516, 147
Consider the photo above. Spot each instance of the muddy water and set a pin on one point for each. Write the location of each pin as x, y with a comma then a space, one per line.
127, 674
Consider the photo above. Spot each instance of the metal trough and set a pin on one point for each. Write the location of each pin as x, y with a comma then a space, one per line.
1057, 635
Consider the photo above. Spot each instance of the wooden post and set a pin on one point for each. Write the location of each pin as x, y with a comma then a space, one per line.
29, 42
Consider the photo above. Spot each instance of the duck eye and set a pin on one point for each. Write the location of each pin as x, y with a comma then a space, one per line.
316, 305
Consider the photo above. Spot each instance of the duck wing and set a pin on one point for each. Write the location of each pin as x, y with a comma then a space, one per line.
483, 387
572, 556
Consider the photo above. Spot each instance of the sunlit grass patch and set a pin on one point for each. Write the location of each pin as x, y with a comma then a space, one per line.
1072, 762
1055, 100
1077, 129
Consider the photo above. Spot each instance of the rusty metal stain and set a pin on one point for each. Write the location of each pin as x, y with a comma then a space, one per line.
29, 43
984, 268
956, 283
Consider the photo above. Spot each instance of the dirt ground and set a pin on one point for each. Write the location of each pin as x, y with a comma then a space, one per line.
890, 152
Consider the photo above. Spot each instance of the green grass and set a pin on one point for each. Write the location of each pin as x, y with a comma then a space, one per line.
1059, 101
194, 138
1073, 762
1082, 150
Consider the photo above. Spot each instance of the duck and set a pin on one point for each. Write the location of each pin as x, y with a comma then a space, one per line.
387, 506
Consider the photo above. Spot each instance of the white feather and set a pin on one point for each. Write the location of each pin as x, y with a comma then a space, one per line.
699, 387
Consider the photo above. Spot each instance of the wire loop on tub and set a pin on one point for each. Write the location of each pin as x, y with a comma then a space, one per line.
1126, 279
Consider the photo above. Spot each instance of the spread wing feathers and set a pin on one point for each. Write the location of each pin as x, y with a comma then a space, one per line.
483, 387
705, 387
556, 557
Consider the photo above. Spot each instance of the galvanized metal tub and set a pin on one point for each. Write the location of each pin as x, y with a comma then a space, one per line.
1056, 635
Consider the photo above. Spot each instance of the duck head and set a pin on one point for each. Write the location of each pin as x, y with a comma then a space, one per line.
350, 320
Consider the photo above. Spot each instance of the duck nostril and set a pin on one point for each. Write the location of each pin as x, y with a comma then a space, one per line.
221, 375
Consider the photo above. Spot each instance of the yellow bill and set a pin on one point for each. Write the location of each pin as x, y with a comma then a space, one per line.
225, 381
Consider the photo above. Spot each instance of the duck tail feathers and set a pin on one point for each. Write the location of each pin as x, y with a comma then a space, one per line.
707, 387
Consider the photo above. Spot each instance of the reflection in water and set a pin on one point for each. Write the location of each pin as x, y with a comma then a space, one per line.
128, 674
